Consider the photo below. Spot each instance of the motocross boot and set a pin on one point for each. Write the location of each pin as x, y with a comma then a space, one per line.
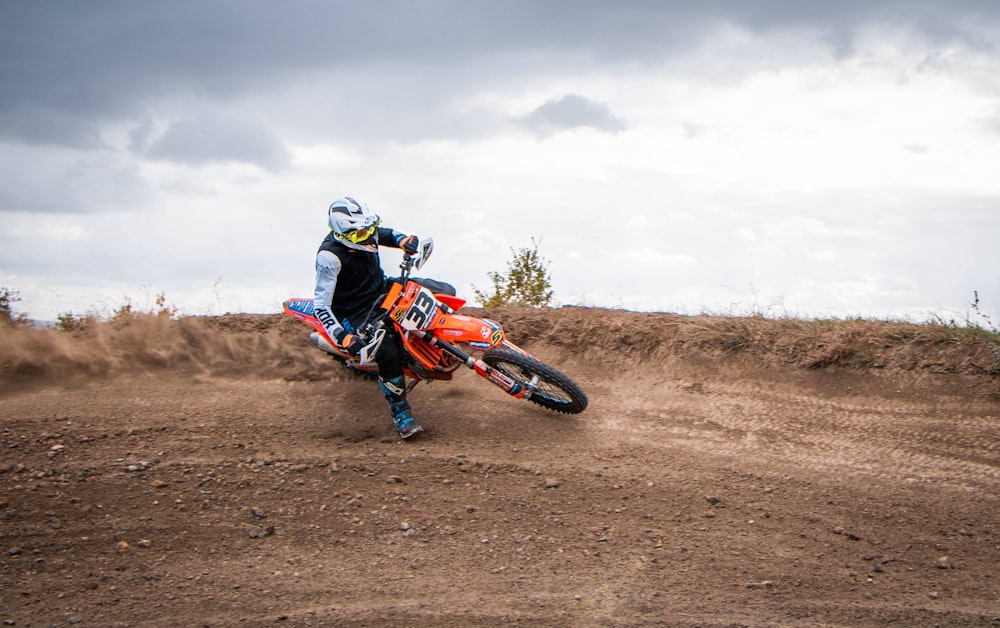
394, 390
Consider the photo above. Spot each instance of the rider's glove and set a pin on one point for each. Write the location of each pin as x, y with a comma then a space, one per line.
351, 343
409, 243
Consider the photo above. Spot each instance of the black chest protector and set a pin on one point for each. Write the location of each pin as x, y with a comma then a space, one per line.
360, 284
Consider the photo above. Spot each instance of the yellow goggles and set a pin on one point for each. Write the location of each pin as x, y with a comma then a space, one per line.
360, 235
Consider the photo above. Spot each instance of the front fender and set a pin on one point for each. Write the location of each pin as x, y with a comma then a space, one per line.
479, 333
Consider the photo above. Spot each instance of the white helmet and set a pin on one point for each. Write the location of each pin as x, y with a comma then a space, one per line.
353, 223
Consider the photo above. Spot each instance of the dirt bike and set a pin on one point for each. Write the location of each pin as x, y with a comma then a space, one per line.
437, 340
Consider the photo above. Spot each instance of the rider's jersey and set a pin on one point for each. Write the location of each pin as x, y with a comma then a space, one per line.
349, 281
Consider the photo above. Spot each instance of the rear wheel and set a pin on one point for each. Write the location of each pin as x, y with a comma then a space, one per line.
548, 387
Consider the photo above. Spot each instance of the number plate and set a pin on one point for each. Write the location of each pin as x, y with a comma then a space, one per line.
421, 312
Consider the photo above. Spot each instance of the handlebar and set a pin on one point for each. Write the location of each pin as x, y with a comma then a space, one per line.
405, 266
409, 262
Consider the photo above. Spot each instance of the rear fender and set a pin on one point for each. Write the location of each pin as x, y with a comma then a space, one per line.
302, 309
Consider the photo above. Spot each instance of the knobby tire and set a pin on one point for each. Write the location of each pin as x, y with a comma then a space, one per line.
553, 390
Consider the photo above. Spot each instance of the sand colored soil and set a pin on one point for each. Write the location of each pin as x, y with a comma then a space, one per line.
728, 472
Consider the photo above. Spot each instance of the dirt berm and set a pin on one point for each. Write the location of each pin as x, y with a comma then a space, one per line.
728, 472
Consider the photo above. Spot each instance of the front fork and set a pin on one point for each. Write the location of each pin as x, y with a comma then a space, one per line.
511, 386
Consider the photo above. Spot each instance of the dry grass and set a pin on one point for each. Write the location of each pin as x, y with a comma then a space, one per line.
852, 343
277, 346
615, 337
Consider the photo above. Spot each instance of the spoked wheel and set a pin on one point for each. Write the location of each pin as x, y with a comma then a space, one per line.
548, 387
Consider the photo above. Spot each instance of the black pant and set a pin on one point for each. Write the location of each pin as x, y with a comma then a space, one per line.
390, 355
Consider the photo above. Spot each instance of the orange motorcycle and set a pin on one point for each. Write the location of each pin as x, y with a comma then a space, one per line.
437, 340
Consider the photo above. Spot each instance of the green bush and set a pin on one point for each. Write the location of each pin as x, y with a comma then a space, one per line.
526, 282
69, 321
122, 315
8, 298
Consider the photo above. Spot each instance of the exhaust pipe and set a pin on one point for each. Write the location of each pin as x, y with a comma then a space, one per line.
323, 344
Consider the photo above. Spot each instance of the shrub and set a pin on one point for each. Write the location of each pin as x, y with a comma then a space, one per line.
125, 313
526, 282
69, 321
8, 298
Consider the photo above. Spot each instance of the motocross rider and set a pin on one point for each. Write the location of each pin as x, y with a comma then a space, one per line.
349, 284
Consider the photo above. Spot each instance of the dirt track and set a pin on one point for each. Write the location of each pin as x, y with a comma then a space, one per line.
248, 481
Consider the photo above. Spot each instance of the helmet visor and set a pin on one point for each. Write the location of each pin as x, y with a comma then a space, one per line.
360, 235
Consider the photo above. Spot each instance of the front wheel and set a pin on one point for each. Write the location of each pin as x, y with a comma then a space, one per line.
548, 387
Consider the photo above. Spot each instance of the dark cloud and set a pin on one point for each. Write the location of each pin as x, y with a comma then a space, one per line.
571, 111
63, 181
83, 64
45, 125
207, 139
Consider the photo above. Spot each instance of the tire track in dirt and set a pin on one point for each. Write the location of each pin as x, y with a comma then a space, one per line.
689, 493
945, 444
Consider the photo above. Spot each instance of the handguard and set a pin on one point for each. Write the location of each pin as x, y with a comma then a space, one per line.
367, 354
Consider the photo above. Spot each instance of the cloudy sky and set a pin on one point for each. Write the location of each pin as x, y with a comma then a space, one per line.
819, 159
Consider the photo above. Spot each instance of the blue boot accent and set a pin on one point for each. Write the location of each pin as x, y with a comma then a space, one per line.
406, 425
402, 418
394, 389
